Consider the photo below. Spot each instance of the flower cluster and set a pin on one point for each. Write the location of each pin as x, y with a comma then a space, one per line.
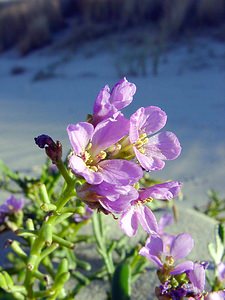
110, 153
11, 206
179, 280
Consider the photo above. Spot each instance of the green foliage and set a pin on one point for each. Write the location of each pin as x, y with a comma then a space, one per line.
121, 282
215, 207
43, 252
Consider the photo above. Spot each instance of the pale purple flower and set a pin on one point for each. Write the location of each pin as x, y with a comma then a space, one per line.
220, 295
89, 158
107, 103
181, 246
164, 221
152, 149
107, 197
221, 272
86, 216
11, 206
197, 278
138, 212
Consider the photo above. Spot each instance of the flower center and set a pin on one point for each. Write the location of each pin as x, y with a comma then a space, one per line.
143, 139
90, 161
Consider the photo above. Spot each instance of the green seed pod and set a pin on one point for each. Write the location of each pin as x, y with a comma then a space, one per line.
46, 207
8, 279
18, 250
18, 296
3, 283
46, 234
62, 242
30, 224
61, 280
80, 210
62, 268
44, 194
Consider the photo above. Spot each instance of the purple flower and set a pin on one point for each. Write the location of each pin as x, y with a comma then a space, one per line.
164, 221
152, 151
220, 295
86, 216
107, 197
107, 103
139, 213
181, 246
11, 206
221, 272
197, 278
89, 158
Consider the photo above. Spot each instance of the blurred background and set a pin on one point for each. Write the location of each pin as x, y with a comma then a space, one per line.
55, 56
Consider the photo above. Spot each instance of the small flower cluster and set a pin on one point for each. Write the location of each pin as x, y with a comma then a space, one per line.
179, 280
10, 207
111, 153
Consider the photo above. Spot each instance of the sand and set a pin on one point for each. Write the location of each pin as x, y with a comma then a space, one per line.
189, 87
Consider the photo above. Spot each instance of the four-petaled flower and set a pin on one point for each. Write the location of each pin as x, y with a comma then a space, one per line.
180, 247
107, 197
138, 212
152, 151
89, 158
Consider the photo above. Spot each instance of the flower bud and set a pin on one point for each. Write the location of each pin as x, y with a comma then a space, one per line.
52, 149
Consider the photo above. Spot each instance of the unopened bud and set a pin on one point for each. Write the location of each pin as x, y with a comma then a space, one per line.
52, 149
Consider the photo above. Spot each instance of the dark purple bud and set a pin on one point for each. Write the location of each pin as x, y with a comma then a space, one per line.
43, 141
52, 149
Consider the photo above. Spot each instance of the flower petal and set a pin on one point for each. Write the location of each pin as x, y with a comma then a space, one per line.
220, 295
155, 245
115, 199
181, 245
157, 262
166, 220
182, 267
149, 163
122, 93
79, 167
79, 136
153, 250
162, 191
109, 132
103, 109
102, 104
119, 171
147, 219
164, 146
197, 277
129, 222
146, 120
221, 271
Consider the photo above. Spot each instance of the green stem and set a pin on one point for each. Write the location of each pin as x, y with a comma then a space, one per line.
36, 254
63, 170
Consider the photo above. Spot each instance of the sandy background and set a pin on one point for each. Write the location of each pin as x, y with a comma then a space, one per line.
57, 89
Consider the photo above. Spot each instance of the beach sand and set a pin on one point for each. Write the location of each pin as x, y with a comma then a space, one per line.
189, 87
